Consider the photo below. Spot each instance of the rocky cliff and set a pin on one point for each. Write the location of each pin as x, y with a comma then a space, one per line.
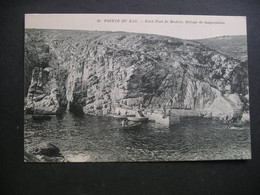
93, 72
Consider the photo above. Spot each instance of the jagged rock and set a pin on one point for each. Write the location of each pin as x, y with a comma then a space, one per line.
93, 72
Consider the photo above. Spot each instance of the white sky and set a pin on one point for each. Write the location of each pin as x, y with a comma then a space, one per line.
227, 25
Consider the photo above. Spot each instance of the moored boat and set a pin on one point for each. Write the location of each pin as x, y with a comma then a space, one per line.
138, 119
41, 117
120, 116
131, 126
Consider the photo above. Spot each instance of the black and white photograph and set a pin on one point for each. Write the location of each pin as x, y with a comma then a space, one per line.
135, 88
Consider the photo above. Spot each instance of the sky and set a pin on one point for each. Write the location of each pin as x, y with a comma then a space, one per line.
180, 26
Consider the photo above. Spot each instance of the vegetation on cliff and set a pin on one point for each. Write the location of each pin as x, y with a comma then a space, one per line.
233, 46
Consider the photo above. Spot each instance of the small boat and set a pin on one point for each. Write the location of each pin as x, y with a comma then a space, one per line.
41, 117
138, 119
131, 126
120, 116
237, 128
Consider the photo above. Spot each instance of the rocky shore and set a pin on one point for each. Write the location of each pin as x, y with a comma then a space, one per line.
95, 72
43, 152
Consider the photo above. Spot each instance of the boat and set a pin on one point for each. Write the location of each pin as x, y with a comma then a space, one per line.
138, 119
131, 126
120, 116
41, 117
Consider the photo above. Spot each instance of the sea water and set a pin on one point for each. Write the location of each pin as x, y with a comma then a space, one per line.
99, 139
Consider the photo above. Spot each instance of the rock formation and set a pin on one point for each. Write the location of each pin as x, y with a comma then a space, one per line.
43, 152
42, 96
93, 72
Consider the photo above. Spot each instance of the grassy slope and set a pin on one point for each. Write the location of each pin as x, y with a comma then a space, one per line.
233, 46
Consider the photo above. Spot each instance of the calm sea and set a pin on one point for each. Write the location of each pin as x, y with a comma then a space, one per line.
97, 139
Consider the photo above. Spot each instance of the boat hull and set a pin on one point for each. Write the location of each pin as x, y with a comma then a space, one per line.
120, 116
41, 117
138, 119
131, 127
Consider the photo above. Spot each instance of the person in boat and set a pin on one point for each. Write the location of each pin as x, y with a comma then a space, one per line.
124, 123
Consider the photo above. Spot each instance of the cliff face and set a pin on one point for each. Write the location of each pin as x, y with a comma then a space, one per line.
43, 93
95, 71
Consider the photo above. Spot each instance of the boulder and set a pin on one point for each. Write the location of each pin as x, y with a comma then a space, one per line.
43, 152
47, 149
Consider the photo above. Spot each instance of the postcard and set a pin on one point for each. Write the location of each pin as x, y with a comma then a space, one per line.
135, 88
